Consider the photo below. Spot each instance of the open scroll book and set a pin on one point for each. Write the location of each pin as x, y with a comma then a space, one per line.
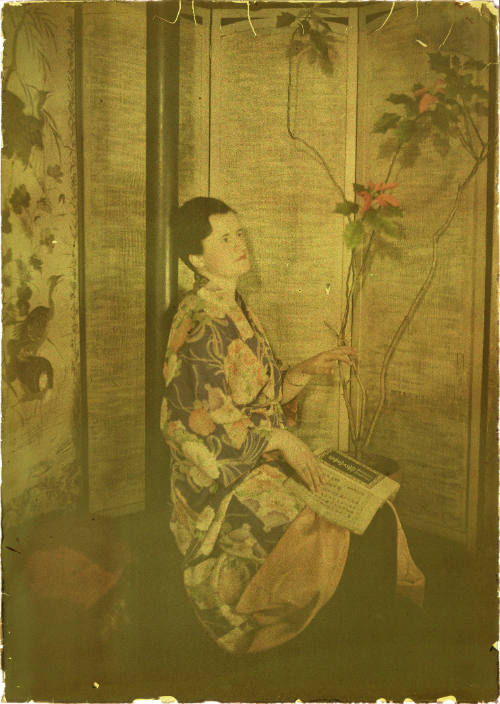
351, 493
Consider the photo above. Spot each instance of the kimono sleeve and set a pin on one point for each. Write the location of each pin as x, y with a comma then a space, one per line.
206, 431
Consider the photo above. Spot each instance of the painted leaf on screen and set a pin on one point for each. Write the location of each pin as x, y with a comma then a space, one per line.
285, 19
403, 99
24, 293
6, 224
405, 130
480, 92
474, 65
392, 211
347, 207
386, 122
353, 234
371, 218
441, 143
439, 62
36, 262
20, 132
481, 109
20, 199
389, 226
440, 118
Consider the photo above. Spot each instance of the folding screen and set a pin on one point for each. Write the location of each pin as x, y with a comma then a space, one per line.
283, 196
235, 145
114, 170
431, 419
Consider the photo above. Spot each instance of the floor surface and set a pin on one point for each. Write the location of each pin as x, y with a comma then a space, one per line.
143, 641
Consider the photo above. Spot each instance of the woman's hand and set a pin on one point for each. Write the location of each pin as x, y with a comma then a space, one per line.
299, 456
325, 362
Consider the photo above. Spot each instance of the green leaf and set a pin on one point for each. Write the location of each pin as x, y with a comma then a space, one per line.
23, 307
393, 211
439, 118
358, 187
346, 208
24, 293
453, 110
36, 262
285, 19
481, 109
410, 154
467, 92
371, 217
55, 172
389, 226
44, 204
441, 143
452, 85
439, 62
6, 224
403, 99
20, 199
405, 130
312, 55
23, 270
21, 132
474, 65
319, 42
386, 122
417, 86
353, 234
480, 92
326, 65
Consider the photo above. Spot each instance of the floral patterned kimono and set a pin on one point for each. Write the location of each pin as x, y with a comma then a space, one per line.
258, 564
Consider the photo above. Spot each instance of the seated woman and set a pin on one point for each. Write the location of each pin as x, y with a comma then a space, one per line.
258, 564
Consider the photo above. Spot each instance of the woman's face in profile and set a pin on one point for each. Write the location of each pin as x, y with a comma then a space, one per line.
225, 251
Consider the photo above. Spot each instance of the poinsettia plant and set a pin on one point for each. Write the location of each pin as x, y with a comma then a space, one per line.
449, 110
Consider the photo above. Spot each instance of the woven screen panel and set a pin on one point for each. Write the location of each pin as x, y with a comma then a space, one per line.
428, 423
41, 394
114, 94
284, 196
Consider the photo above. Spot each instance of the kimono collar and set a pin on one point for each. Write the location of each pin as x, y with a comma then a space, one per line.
224, 301
221, 303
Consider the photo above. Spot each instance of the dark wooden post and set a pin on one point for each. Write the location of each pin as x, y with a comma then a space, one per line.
161, 195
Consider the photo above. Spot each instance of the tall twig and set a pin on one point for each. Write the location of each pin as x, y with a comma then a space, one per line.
420, 295
350, 412
296, 138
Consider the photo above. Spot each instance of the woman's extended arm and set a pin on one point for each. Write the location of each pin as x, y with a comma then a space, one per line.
323, 363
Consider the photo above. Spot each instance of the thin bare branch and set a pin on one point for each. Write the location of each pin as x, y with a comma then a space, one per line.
296, 138
350, 412
415, 304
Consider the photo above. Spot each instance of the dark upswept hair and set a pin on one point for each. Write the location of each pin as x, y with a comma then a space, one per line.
190, 225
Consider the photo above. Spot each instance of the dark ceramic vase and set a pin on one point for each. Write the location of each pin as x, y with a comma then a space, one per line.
381, 463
